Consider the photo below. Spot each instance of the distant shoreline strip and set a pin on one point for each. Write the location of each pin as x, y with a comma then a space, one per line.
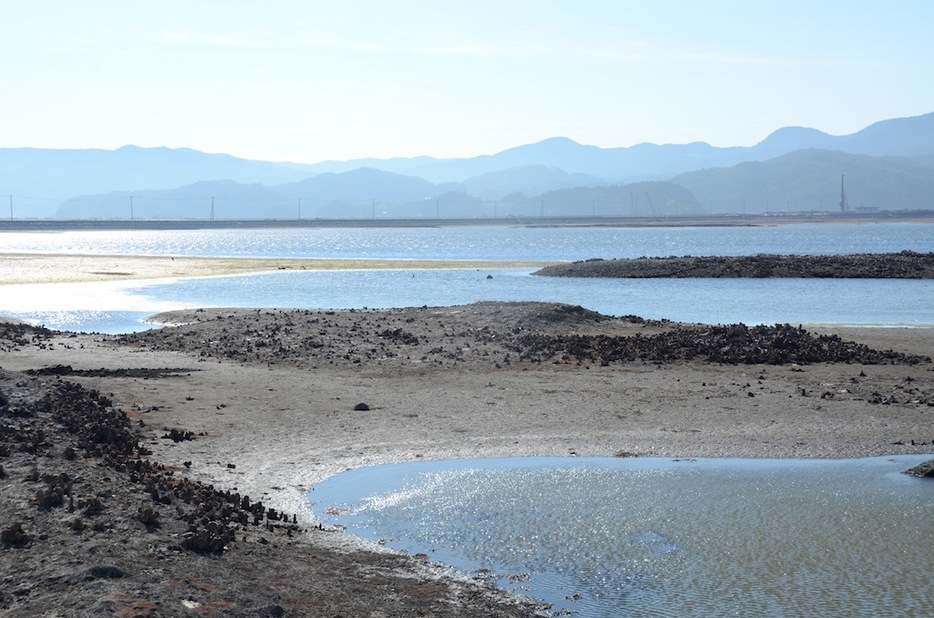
24, 268
901, 265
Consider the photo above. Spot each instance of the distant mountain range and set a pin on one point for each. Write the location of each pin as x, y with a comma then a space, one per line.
888, 165
810, 180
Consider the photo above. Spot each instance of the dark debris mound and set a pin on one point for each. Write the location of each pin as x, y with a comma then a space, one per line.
901, 265
98, 430
923, 470
132, 372
499, 334
735, 344
16, 334
426, 335
102, 431
568, 313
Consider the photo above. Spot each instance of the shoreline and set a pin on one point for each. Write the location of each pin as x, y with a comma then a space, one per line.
901, 265
384, 384
34, 268
269, 402
712, 220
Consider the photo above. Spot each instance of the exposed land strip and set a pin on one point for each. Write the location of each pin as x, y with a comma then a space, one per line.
18, 268
722, 220
126, 460
902, 265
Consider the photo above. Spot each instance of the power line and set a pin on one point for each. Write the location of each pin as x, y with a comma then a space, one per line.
30, 197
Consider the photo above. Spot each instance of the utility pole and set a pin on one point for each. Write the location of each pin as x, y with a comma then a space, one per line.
212, 208
844, 205
541, 213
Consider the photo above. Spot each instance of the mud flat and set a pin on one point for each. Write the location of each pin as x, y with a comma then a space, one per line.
902, 265
165, 472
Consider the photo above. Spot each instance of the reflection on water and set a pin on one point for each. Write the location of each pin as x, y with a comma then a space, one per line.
115, 307
484, 243
87, 320
609, 537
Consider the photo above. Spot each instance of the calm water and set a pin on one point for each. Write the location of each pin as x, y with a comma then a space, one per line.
121, 307
661, 537
484, 243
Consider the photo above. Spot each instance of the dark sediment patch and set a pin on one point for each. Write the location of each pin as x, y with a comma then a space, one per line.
923, 470
139, 372
901, 265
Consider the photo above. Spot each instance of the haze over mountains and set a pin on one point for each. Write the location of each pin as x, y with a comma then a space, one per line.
888, 166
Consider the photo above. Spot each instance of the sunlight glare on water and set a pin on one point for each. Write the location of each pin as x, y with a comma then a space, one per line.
656, 537
504, 242
103, 306
118, 308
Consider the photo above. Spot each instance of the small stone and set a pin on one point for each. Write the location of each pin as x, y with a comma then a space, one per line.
107, 571
14, 536
361, 407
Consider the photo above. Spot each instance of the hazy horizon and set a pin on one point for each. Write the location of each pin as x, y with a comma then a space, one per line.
482, 154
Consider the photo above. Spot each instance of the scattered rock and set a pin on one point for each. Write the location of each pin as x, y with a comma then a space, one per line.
178, 435
14, 536
923, 470
107, 571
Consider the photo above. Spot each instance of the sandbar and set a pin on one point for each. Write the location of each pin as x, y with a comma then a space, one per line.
19, 268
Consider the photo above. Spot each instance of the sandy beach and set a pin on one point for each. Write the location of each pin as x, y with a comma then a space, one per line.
266, 405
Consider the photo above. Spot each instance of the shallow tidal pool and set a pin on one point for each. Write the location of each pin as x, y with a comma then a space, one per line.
655, 536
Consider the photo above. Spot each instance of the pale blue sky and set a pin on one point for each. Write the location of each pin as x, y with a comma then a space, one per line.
309, 81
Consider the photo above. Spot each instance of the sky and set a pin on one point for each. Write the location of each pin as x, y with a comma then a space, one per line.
308, 81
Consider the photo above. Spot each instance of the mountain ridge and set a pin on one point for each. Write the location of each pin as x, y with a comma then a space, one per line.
39, 180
